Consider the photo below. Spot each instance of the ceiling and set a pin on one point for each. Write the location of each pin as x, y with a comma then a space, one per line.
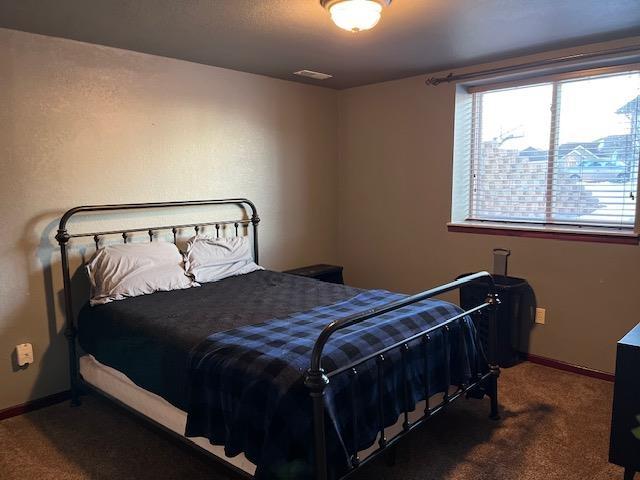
278, 37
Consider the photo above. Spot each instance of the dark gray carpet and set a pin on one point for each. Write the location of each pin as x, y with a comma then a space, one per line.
555, 426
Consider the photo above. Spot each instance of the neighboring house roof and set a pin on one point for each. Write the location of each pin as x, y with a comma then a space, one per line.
580, 153
566, 148
611, 143
630, 108
534, 154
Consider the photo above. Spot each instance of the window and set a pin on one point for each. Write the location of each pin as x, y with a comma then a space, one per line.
558, 154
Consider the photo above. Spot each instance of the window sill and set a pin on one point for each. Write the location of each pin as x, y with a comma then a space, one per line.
538, 231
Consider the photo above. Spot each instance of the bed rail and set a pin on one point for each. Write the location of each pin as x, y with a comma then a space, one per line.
316, 380
63, 237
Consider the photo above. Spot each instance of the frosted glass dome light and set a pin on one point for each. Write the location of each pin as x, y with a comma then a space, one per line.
355, 15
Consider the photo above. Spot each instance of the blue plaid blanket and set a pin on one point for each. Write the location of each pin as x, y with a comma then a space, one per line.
246, 387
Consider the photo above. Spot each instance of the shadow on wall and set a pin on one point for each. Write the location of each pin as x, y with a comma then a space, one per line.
39, 320
52, 356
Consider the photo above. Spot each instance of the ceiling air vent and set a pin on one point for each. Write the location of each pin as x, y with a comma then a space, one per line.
312, 74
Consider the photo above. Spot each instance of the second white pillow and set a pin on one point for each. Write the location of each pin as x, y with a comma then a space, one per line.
212, 259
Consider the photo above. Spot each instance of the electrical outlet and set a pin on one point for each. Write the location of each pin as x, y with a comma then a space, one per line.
540, 315
24, 353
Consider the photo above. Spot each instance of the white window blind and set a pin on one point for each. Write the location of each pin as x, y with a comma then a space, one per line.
563, 152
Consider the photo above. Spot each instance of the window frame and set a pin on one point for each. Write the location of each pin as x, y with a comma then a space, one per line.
547, 229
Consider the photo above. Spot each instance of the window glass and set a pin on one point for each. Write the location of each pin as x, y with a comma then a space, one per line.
596, 161
563, 152
510, 158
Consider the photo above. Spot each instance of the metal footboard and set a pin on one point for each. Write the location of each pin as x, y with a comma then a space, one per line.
317, 380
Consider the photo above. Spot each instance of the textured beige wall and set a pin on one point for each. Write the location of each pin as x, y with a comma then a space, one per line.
395, 188
83, 124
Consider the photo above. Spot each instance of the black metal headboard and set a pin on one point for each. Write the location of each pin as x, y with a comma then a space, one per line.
63, 237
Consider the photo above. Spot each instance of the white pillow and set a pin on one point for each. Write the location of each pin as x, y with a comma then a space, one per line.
212, 259
132, 269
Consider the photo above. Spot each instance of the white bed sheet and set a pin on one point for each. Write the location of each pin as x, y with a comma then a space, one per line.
119, 386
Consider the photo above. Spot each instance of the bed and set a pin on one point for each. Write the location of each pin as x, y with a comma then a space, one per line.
274, 375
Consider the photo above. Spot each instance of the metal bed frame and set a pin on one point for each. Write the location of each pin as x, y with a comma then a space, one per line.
316, 379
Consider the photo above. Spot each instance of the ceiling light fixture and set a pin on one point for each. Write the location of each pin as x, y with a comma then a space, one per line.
355, 15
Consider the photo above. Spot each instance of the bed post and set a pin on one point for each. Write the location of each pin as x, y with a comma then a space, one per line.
255, 220
316, 381
70, 330
494, 369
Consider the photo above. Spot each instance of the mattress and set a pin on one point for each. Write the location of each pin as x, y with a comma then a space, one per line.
119, 386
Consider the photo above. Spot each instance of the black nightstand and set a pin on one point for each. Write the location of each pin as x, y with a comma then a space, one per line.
624, 447
325, 273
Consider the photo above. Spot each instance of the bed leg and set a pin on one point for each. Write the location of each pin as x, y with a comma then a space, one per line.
75, 395
492, 392
70, 333
316, 381
492, 388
